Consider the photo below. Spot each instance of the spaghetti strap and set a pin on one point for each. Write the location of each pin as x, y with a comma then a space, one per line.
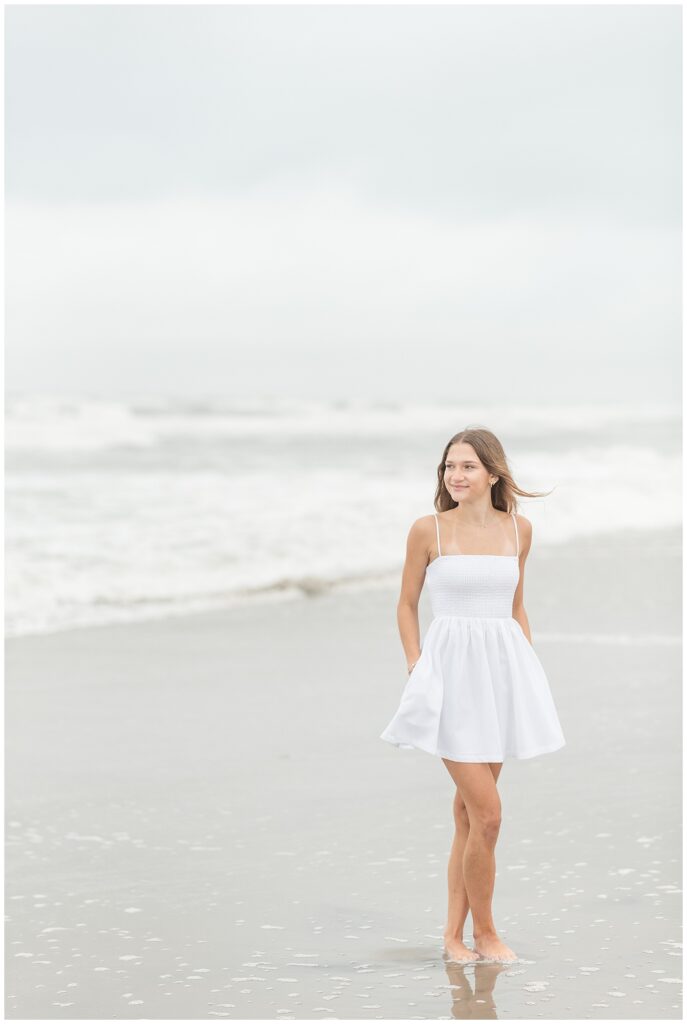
517, 537
436, 520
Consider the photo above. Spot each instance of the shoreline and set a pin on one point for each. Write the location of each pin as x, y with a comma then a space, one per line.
666, 543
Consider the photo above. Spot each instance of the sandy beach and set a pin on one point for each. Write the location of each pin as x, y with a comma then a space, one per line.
202, 821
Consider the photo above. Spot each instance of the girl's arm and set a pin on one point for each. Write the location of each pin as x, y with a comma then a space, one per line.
417, 558
519, 613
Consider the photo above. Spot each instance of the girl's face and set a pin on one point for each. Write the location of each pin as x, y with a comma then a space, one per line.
465, 477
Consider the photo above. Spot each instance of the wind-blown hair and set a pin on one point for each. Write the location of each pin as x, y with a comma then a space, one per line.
490, 452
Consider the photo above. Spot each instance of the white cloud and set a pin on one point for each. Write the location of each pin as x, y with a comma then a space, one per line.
322, 271
327, 198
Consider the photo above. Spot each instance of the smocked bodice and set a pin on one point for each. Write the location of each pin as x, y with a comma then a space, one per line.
481, 586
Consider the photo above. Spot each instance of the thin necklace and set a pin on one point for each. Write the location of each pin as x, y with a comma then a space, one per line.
483, 526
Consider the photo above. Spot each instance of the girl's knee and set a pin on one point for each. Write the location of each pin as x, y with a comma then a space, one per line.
488, 823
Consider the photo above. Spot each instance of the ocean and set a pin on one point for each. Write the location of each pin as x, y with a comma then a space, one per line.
122, 510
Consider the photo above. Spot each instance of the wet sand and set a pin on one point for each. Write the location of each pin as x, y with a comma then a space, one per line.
202, 821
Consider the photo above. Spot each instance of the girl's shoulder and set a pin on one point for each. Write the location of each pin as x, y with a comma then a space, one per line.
523, 522
424, 523
524, 533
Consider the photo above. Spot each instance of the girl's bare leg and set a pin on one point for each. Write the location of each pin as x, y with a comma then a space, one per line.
477, 783
458, 904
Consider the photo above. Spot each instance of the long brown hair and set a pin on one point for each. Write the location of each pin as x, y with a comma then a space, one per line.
492, 456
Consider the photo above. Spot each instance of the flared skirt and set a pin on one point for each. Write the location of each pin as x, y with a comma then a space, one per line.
477, 693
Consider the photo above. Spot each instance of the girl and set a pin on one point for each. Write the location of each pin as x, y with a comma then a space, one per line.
477, 692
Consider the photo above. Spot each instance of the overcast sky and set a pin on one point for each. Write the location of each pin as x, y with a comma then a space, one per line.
377, 202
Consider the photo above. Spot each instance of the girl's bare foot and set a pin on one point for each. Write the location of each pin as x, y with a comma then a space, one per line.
490, 947
457, 951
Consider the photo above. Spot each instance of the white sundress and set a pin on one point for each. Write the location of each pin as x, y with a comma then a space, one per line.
478, 691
